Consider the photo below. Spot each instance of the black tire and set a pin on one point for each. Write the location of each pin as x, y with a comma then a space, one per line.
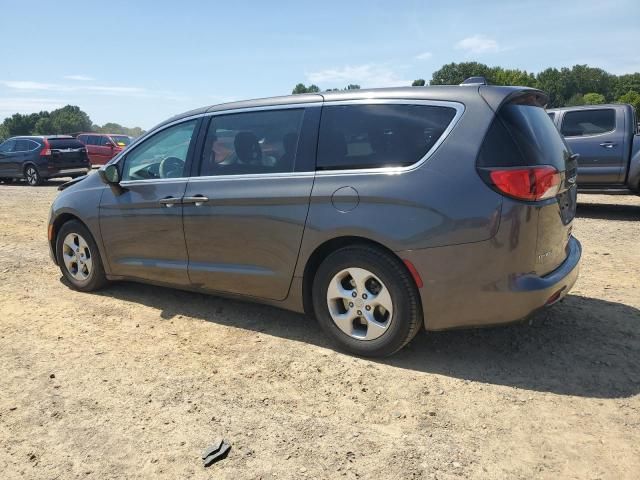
406, 320
96, 278
32, 175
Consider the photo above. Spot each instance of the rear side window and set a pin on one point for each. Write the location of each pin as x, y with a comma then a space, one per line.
588, 122
252, 143
25, 145
64, 143
523, 135
379, 135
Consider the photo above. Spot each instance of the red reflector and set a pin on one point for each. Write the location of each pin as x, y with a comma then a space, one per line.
534, 183
46, 151
414, 273
554, 298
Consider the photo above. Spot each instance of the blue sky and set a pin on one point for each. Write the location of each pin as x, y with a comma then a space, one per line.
137, 63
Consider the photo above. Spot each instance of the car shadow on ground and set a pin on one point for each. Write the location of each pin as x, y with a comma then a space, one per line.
582, 346
607, 211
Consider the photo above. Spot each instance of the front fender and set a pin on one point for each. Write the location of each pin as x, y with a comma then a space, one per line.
80, 201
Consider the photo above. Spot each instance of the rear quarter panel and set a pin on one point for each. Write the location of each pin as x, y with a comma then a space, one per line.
443, 201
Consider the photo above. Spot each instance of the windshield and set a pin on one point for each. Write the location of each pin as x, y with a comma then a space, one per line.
121, 140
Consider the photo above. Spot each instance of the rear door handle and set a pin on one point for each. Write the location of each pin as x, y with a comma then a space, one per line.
197, 200
607, 144
169, 201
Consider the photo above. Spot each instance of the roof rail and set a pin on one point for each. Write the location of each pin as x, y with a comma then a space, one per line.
475, 81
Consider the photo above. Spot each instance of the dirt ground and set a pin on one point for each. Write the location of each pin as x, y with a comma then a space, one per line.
135, 381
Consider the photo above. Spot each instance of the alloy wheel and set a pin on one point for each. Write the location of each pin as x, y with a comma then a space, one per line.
360, 304
32, 175
77, 256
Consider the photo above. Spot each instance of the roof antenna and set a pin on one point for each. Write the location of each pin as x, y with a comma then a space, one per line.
475, 81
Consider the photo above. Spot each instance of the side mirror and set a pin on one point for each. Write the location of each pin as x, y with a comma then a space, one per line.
110, 174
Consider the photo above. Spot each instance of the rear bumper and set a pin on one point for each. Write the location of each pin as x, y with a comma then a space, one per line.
66, 172
469, 285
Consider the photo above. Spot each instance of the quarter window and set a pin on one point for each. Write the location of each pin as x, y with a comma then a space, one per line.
381, 135
163, 155
588, 122
252, 142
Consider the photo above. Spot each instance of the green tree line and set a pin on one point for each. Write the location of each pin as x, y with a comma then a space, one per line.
65, 120
578, 85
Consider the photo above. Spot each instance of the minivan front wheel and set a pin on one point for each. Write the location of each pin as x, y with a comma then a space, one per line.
78, 257
32, 176
365, 300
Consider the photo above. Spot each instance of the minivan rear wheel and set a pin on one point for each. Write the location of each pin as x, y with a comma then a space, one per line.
79, 258
366, 301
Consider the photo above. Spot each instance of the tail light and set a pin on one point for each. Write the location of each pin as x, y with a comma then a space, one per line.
46, 151
529, 183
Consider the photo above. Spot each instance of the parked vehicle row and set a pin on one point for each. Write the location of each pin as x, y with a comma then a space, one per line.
37, 158
40, 157
380, 211
606, 139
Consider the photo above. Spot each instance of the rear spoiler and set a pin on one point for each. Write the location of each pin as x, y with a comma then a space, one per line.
497, 96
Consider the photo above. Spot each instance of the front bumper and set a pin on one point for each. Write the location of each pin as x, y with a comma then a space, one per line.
467, 286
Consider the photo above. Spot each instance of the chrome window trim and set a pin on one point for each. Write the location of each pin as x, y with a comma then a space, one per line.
459, 108
153, 181
253, 176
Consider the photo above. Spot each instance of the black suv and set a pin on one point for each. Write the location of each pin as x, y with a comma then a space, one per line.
37, 158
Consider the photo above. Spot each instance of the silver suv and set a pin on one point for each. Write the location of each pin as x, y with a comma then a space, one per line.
379, 211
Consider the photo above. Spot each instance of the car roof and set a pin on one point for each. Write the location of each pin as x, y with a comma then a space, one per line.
453, 93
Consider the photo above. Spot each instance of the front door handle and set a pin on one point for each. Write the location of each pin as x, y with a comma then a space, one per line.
197, 200
607, 144
169, 201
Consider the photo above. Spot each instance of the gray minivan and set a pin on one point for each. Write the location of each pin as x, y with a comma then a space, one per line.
379, 211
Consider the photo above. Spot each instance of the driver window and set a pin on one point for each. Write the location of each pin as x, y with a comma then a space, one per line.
163, 155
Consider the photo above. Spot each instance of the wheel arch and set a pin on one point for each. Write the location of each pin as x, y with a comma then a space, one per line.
57, 224
326, 248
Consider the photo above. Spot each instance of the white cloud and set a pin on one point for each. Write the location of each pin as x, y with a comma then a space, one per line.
367, 75
31, 86
478, 44
80, 78
424, 56
9, 106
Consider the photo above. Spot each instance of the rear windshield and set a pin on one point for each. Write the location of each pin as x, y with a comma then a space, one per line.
64, 143
121, 140
523, 135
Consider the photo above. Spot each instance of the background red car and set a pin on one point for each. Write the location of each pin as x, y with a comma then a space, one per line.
102, 147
